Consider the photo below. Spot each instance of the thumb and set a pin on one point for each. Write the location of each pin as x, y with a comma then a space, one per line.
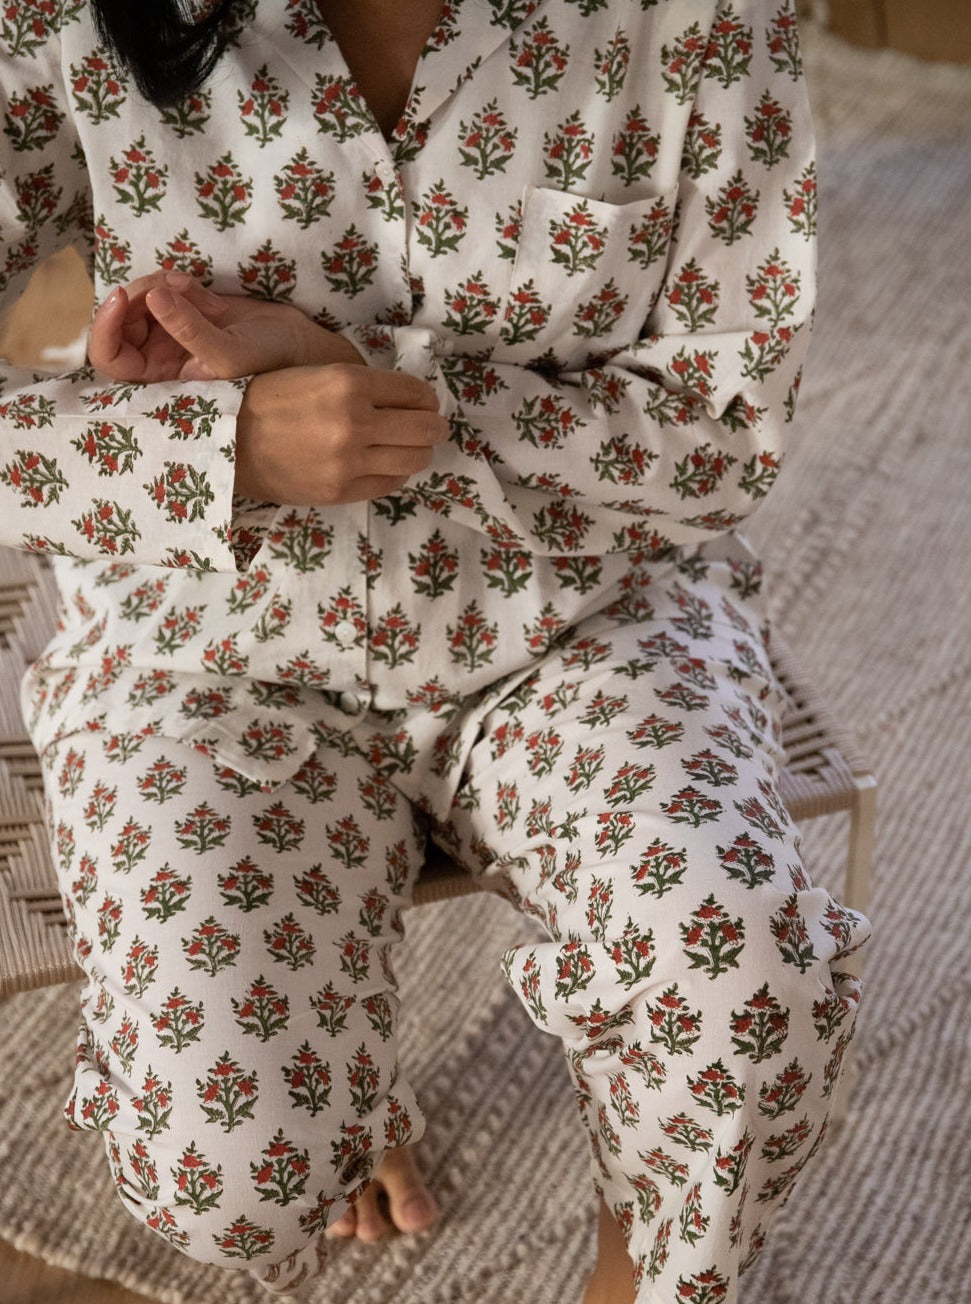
108, 349
193, 370
212, 306
208, 345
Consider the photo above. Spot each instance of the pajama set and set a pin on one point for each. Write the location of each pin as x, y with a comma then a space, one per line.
592, 232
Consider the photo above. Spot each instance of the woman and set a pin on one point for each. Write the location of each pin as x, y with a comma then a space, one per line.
420, 519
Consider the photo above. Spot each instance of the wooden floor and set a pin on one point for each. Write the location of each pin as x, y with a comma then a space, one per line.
27, 1280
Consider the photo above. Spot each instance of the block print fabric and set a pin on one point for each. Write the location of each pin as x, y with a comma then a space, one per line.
592, 231
238, 1045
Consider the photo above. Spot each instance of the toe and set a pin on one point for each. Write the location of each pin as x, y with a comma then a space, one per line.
410, 1203
371, 1222
345, 1226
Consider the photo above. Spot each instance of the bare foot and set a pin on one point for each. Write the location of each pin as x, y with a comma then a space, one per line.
612, 1281
396, 1198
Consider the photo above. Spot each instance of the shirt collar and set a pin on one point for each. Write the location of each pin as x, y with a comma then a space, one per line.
468, 33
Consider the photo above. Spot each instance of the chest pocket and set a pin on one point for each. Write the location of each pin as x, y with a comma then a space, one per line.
586, 275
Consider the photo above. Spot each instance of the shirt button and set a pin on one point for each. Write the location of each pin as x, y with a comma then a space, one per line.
349, 704
345, 633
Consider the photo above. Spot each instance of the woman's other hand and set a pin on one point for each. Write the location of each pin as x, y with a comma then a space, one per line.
334, 434
168, 326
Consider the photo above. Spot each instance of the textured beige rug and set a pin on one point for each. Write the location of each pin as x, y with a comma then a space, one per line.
869, 539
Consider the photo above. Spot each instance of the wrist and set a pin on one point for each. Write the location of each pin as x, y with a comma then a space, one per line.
320, 347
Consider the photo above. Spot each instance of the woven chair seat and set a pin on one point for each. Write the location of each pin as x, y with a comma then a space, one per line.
823, 775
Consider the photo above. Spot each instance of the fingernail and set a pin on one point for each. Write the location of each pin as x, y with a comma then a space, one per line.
179, 279
113, 297
163, 301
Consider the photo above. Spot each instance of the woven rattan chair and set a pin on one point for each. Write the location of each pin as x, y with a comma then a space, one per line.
823, 776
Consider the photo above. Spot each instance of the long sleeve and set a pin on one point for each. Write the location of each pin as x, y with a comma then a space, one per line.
142, 473
591, 228
677, 431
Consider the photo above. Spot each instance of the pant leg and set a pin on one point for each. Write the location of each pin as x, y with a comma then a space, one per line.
627, 797
237, 1044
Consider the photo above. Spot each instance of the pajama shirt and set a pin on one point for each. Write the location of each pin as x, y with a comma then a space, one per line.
592, 232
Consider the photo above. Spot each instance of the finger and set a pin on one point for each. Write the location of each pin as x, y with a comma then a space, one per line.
408, 427
401, 463
201, 339
138, 326
106, 326
138, 321
214, 307
109, 347
142, 321
138, 288
142, 285
183, 283
388, 388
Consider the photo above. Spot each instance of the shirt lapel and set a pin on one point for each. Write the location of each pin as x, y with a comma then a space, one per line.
468, 33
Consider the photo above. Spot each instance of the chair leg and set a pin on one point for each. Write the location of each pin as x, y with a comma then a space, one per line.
856, 894
859, 859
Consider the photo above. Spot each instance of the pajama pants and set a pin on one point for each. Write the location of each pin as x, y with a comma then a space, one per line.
237, 1048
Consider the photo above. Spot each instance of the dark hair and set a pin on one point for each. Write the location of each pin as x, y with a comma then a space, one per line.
168, 53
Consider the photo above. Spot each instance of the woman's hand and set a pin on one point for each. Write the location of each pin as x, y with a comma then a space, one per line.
334, 434
168, 326
315, 426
